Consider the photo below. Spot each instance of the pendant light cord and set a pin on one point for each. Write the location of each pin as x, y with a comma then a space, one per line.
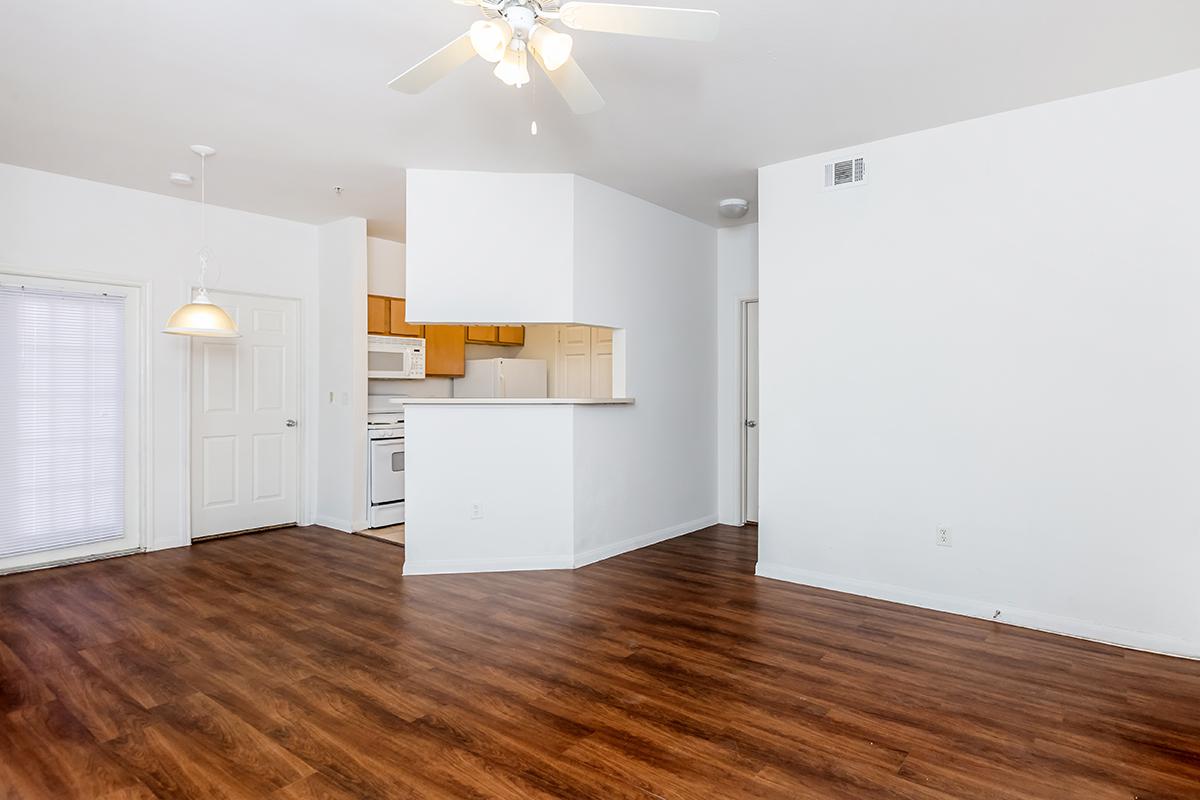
203, 224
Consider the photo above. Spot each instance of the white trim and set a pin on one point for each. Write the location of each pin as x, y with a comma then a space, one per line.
343, 525
968, 607
519, 401
743, 388
645, 540
143, 507
511, 564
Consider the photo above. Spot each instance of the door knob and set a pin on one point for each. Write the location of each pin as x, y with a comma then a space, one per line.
751, 423
291, 423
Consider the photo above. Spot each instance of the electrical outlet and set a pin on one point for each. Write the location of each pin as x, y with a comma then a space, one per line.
476, 511
944, 539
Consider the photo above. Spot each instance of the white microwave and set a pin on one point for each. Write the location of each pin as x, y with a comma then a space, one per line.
395, 358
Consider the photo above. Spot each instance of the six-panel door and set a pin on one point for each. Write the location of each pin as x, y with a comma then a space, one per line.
245, 419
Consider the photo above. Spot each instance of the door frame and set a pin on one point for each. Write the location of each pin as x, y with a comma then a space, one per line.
743, 389
142, 508
305, 444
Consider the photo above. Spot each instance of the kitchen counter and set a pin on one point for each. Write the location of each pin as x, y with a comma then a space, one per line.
516, 401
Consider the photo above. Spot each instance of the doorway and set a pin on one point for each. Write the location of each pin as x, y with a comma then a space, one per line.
750, 426
245, 417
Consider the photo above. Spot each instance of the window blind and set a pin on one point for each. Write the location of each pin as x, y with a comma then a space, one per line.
62, 419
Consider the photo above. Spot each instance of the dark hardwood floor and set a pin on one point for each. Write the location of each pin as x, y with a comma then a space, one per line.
299, 664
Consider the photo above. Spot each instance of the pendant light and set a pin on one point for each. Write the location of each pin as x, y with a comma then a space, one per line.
202, 317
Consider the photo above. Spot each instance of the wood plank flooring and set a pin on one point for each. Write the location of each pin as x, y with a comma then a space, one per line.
299, 664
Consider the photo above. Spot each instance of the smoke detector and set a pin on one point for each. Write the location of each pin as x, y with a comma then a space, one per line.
180, 179
734, 208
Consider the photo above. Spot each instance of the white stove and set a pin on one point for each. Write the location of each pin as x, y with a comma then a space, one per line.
385, 463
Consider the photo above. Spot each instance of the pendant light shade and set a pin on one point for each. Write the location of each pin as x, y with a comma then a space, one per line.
202, 317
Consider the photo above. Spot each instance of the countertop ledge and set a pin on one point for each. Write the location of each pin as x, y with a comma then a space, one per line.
516, 401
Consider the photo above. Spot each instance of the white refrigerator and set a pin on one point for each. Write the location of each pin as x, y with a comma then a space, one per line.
502, 377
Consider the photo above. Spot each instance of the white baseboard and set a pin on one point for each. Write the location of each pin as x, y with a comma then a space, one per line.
514, 564
343, 525
967, 607
645, 540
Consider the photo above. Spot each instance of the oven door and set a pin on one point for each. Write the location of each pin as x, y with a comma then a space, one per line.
387, 471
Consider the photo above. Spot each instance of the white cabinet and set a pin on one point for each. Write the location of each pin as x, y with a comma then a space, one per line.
584, 362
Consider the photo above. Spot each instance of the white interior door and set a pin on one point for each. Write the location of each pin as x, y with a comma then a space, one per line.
602, 363
245, 412
575, 361
751, 419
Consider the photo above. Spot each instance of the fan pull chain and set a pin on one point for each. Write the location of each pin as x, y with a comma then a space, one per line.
533, 126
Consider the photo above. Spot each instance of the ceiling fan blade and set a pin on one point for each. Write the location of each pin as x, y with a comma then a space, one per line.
665, 23
436, 67
574, 86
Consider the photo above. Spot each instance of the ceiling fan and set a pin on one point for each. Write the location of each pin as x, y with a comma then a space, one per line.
516, 29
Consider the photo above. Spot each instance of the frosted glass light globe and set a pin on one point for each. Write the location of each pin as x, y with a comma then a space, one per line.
490, 38
513, 69
553, 47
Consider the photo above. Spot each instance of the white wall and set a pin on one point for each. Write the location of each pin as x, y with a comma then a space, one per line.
342, 287
514, 462
646, 472
636, 474
488, 247
998, 333
68, 227
385, 267
737, 280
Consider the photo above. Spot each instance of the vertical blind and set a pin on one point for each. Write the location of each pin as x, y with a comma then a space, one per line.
62, 419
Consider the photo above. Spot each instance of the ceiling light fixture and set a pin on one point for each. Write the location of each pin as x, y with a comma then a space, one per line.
734, 208
516, 30
202, 317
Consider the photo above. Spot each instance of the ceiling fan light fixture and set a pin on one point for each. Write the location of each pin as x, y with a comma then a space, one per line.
490, 38
553, 47
513, 69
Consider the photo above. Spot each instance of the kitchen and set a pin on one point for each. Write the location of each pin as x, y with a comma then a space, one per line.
407, 361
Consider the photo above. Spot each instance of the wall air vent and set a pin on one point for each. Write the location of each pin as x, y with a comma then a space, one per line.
845, 173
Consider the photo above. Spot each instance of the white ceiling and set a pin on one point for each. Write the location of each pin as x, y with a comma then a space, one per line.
293, 94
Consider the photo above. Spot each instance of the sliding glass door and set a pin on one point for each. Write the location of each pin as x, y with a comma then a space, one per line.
69, 421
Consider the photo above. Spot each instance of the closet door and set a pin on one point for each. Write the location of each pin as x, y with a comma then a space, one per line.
575, 361
602, 363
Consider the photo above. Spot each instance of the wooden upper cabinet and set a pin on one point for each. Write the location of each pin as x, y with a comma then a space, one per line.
445, 350
511, 334
379, 315
496, 334
398, 327
482, 334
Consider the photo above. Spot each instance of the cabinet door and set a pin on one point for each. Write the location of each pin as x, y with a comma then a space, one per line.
482, 334
575, 361
602, 357
445, 351
379, 315
511, 334
398, 326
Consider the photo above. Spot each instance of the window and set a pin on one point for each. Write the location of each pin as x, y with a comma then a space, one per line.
64, 438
